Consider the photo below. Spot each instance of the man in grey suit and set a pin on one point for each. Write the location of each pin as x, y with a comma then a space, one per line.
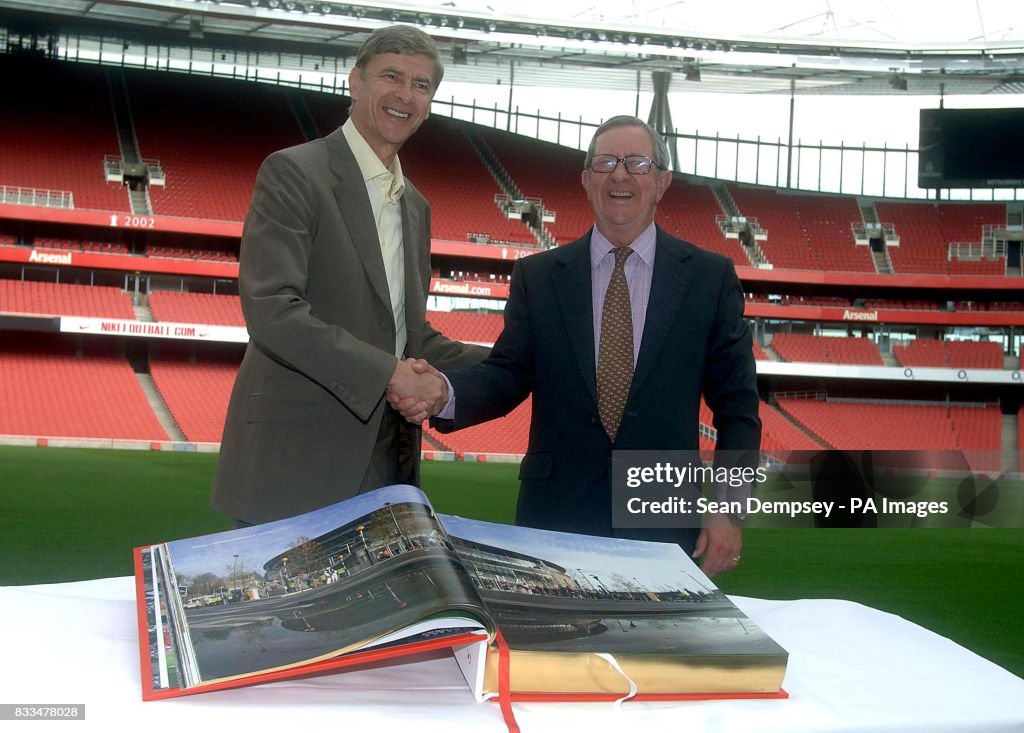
678, 335
334, 274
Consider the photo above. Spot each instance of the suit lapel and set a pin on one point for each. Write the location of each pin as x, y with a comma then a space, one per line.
415, 298
572, 284
357, 214
668, 288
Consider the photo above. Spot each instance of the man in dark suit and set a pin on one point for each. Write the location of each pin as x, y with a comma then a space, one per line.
684, 309
334, 273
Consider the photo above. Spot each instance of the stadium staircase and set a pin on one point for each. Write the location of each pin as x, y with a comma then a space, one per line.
749, 231
131, 164
508, 187
160, 410
143, 313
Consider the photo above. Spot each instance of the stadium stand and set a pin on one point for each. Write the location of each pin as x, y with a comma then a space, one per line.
925, 232
482, 328
779, 433
76, 245
183, 307
48, 389
458, 186
956, 354
59, 299
211, 162
181, 253
550, 173
689, 211
849, 425
507, 435
827, 350
38, 152
805, 232
196, 393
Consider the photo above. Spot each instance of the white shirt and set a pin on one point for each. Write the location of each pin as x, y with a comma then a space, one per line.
385, 187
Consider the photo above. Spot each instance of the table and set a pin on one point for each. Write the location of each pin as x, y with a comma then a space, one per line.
851, 668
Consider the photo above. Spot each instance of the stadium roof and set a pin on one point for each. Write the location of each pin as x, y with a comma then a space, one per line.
817, 46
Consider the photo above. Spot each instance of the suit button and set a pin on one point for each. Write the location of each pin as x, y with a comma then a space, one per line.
334, 384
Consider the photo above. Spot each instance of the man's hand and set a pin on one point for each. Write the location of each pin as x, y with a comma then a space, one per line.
719, 543
416, 390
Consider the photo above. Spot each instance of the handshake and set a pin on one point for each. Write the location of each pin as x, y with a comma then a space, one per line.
417, 391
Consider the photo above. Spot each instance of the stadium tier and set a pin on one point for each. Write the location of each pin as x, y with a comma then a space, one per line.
56, 126
50, 389
805, 232
690, 211
76, 245
507, 435
206, 308
955, 354
196, 393
897, 426
482, 328
210, 136
59, 299
547, 172
779, 433
825, 349
460, 189
211, 144
181, 253
925, 232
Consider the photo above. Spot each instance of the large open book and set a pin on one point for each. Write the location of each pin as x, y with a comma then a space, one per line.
543, 615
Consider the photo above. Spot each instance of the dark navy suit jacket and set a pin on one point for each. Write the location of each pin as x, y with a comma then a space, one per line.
695, 342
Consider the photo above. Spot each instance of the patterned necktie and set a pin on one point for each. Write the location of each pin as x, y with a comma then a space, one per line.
615, 355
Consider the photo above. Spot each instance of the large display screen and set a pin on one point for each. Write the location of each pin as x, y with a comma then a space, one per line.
971, 148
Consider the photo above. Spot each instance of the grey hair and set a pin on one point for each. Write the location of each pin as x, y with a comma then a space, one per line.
404, 39
660, 155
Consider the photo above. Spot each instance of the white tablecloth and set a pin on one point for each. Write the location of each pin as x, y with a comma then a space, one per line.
851, 668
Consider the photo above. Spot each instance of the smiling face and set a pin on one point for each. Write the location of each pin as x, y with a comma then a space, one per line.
391, 97
624, 204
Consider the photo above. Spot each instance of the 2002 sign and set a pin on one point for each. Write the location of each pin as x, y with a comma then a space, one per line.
132, 222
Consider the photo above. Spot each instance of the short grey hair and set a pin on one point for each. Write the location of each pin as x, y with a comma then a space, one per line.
404, 39
660, 154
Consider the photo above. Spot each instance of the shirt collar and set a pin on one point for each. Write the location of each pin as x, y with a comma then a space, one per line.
643, 246
370, 166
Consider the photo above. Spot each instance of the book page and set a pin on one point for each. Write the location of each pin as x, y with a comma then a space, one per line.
563, 600
315, 586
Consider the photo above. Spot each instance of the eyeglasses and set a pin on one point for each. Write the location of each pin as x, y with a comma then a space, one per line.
637, 165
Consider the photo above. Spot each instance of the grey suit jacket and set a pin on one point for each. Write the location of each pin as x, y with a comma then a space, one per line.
307, 403
695, 343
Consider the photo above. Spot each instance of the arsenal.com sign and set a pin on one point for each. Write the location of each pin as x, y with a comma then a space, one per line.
468, 289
